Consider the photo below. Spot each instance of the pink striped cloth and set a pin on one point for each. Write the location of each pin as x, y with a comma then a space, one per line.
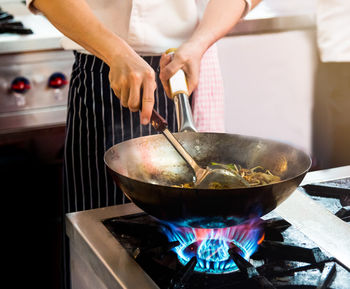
208, 98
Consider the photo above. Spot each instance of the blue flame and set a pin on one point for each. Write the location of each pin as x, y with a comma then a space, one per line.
211, 246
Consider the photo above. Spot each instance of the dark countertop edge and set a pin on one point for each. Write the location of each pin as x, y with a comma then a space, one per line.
32, 120
5, 133
274, 24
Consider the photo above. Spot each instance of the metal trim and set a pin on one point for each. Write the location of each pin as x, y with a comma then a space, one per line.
110, 261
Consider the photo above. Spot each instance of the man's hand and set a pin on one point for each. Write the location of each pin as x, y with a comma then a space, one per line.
129, 73
128, 76
219, 18
186, 58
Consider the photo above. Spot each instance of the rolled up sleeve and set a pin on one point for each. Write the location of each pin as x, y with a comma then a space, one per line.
248, 7
30, 6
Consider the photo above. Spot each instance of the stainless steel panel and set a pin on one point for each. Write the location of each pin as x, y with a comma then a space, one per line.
43, 106
37, 68
108, 260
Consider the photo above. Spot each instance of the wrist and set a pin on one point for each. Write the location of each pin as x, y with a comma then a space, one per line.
200, 44
116, 49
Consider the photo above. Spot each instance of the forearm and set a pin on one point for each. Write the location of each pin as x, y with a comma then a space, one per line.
75, 19
255, 2
219, 18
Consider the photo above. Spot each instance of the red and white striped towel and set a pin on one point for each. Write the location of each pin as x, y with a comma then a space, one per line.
208, 98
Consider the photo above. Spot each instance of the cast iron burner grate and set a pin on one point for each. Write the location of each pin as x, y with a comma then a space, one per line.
9, 25
285, 259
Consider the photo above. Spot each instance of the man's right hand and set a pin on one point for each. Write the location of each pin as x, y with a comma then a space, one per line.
129, 73
130, 76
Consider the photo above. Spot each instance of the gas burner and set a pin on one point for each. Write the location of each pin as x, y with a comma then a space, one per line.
9, 25
254, 255
211, 246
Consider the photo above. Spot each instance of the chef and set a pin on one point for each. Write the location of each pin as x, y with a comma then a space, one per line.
332, 95
120, 64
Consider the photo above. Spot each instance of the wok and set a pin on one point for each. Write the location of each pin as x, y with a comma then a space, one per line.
147, 168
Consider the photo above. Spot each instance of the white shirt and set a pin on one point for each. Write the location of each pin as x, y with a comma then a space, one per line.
149, 27
333, 30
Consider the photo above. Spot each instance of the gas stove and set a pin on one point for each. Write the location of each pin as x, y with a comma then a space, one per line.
34, 71
123, 247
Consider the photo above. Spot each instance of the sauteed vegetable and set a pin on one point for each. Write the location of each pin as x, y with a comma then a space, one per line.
249, 177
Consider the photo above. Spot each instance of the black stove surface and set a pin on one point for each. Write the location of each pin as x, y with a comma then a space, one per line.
8, 24
285, 259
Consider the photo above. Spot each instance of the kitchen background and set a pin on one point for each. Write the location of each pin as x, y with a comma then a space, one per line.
275, 87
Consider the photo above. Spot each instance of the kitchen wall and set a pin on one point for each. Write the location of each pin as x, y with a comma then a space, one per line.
269, 77
277, 87
269, 85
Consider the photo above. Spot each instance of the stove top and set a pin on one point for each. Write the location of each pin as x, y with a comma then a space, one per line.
285, 259
9, 24
22, 31
136, 253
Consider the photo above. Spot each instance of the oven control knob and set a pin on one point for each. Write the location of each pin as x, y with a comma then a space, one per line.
57, 80
20, 85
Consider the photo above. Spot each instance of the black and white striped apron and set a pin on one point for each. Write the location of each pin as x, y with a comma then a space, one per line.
96, 121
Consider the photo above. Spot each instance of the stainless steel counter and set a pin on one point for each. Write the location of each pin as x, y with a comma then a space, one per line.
32, 120
276, 16
274, 24
98, 260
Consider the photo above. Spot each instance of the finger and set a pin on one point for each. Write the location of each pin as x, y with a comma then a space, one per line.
117, 93
134, 94
166, 88
169, 70
147, 101
192, 78
124, 96
165, 59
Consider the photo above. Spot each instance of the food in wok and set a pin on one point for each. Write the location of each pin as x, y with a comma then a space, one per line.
256, 176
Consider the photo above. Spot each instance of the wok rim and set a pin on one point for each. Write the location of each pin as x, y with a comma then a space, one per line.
207, 189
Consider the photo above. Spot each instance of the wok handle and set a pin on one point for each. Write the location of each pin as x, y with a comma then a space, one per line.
184, 113
158, 122
179, 93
